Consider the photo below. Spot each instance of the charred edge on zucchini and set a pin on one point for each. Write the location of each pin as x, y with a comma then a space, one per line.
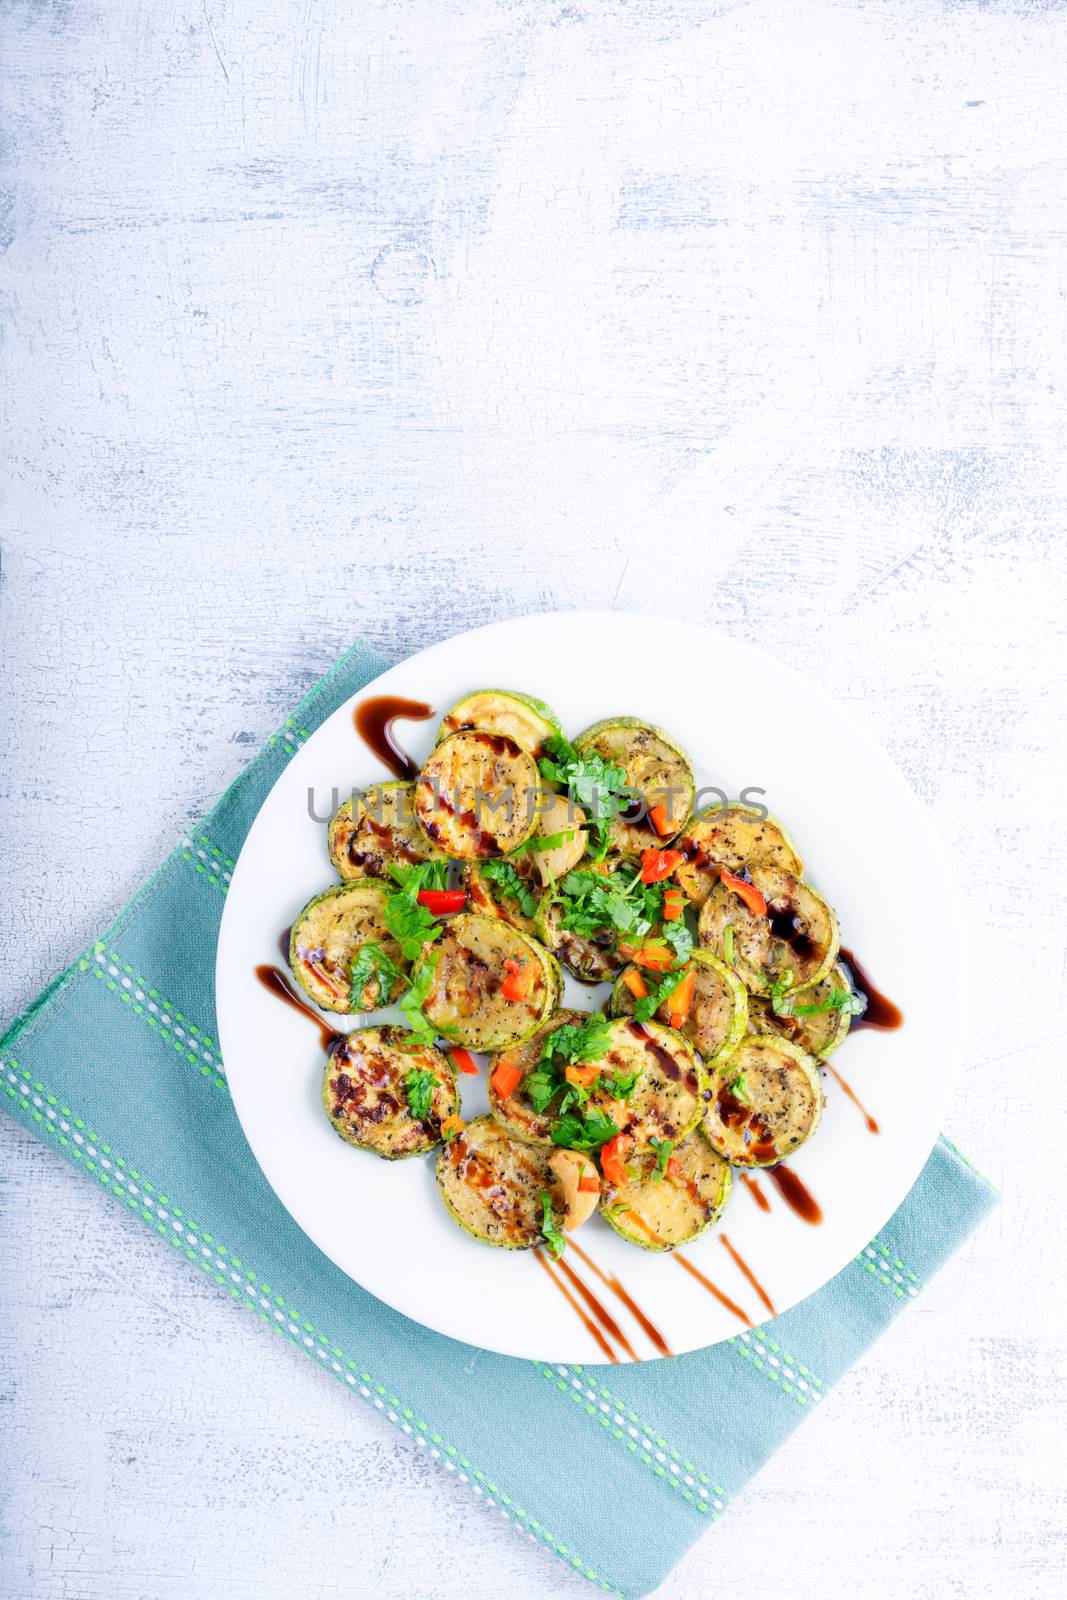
465, 1001
733, 837
376, 828
796, 934
521, 717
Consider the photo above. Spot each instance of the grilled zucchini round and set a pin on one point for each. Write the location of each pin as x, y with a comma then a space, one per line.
521, 717
464, 1001
819, 1034
765, 1102
367, 1094
665, 1212
375, 828
477, 796
668, 1097
657, 771
718, 1013
797, 934
326, 938
731, 836
492, 1184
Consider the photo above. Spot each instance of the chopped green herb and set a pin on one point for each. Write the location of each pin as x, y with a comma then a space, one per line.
593, 783
419, 1086
678, 936
584, 1133
728, 943
546, 841
595, 900
624, 1084
572, 1043
510, 885
664, 1148
646, 1008
412, 1001
371, 966
549, 1232
412, 925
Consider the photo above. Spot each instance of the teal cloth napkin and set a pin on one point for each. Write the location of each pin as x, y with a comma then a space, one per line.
116, 1064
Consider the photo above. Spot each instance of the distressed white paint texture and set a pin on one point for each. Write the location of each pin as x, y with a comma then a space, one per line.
324, 319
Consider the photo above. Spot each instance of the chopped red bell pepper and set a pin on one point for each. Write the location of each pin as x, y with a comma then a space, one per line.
635, 983
660, 819
516, 985
506, 1079
442, 902
673, 905
659, 864
464, 1061
612, 1162
745, 891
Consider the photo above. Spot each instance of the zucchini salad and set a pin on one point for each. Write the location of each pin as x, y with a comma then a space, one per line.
463, 894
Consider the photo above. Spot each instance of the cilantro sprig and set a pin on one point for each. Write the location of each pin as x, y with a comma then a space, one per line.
509, 884
616, 899
412, 925
738, 1087
549, 1232
598, 786
372, 966
664, 1149
586, 1132
419, 1086
412, 1001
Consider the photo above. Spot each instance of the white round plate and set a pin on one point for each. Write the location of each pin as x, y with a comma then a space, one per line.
747, 722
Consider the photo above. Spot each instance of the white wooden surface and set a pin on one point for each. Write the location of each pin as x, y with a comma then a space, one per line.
324, 319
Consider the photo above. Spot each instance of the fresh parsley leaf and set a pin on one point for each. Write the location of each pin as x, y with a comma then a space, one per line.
595, 900
624, 1084
678, 936
578, 1041
549, 1232
780, 1003
411, 1002
584, 1133
593, 783
419, 1086
412, 925
510, 885
371, 966
574, 1042
664, 1149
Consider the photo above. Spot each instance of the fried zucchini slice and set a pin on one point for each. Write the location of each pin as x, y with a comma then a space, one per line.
797, 934
521, 717
492, 1184
375, 828
477, 796
326, 938
733, 837
668, 1096
765, 1102
819, 1034
465, 1001
657, 770
661, 1213
373, 1079
718, 1014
